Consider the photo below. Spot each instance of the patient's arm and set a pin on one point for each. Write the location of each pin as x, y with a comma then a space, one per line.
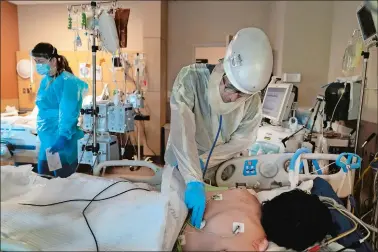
237, 205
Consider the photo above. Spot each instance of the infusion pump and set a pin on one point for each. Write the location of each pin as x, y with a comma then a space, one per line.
108, 149
110, 117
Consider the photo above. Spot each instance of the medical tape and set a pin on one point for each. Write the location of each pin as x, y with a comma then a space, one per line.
217, 197
203, 224
237, 227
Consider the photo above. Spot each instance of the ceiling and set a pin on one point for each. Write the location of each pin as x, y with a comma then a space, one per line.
47, 2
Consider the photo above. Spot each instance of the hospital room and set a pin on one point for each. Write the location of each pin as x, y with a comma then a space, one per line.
139, 125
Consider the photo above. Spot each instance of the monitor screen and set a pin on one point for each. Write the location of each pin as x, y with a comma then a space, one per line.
366, 22
273, 100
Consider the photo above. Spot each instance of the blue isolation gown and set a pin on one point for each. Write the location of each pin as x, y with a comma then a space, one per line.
59, 101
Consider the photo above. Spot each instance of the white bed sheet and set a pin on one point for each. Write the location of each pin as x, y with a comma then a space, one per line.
14, 120
28, 122
135, 221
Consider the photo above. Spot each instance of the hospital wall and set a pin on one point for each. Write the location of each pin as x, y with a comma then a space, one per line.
207, 23
147, 33
9, 47
49, 22
300, 33
344, 22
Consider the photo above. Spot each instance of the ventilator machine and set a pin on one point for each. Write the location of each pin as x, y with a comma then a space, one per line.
278, 107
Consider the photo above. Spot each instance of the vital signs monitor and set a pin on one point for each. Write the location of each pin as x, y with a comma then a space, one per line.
277, 102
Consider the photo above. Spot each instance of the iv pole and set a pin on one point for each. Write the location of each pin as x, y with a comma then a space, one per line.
94, 111
95, 148
366, 55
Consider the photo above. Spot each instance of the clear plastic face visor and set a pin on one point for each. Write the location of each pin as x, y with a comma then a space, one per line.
40, 58
229, 88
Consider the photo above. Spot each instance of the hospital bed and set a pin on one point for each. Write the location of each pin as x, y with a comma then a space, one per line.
266, 172
139, 220
147, 217
19, 137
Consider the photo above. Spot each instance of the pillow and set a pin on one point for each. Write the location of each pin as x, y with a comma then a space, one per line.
268, 195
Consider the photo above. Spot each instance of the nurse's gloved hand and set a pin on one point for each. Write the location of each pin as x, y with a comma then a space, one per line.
59, 144
195, 200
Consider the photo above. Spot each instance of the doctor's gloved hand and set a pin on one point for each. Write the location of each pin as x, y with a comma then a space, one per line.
59, 144
195, 200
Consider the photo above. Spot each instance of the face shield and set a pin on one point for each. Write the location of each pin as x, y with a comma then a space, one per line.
223, 96
231, 89
42, 55
228, 91
40, 60
38, 55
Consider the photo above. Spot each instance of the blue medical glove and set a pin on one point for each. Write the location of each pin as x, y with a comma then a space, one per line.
202, 165
195, 200
59, 144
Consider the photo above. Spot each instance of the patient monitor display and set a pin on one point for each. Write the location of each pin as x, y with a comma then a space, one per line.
366, 22
276, 101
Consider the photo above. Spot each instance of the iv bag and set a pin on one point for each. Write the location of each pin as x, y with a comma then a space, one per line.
108, 32
121, 20
352, 55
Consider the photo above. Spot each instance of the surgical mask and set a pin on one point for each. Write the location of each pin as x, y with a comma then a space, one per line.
43, 69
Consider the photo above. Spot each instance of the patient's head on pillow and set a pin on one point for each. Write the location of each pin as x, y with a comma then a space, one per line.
296, 220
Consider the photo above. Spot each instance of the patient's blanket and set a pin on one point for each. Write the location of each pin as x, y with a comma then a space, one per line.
16, 122
137, 220
11, 120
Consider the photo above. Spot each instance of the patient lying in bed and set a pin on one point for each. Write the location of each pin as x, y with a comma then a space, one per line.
236, 221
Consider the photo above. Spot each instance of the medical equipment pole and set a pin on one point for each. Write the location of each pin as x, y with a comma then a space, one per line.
320, 99
366, 55
138, 142
94, 108
303, 126
375, 224
139, 125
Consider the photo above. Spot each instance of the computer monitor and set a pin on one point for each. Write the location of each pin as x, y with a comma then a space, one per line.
366, 23
277, 102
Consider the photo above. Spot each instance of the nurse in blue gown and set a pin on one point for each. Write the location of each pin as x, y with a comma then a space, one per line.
59, 101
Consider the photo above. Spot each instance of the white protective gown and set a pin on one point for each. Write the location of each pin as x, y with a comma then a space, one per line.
196, 107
